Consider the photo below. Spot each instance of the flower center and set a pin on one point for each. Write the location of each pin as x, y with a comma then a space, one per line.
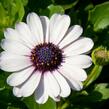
46, 57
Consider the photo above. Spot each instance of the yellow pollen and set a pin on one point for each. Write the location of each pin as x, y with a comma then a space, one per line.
56, 58
48, 64
42, 63
32, 57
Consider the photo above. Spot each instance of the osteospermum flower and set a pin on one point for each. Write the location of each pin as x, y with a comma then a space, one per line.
47, 57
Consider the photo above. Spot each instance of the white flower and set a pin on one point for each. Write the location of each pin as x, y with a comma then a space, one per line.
47, 58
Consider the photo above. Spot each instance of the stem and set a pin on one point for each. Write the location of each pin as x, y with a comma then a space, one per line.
95, 72
64, 106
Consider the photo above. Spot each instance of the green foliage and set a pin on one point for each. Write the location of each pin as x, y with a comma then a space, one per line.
92, 98
7, 100
31, 104
51, 9
11, 11
103, 90
99, 16
94, 18
99, 93
55, 9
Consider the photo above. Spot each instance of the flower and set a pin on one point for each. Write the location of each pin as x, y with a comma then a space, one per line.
46, 57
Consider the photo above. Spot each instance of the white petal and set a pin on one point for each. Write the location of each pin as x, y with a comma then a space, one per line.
11, 34
11, 62
76, 72
52, 85
82, 45
74, 84
73, 33
15, 47
57, 99
45, 23
81, 61
53, 19
18, 78
41, 95
16, 92
35, 26
58, 27
25, 34
65, 89
31, 84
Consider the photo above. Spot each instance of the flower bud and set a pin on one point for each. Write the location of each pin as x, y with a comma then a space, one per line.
100, 56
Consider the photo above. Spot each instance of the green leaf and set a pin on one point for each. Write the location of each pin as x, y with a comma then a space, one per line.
3, 17
7, 99
50, 104
3, 77
51, 9
103, 90
25, 2
11, 11
99, 16
17, 11
68, 6
98, 94
10, 107
31, 104
55, 9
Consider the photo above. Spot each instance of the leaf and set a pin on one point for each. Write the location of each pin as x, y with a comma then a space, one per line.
99, 16
55, 9
17, 11
11, 11
25, 2
8, 100
99, 93
50, 104
96, 94
31, 104
10, 107
103, 90
51, 9
3, 77
3, 17
68, 6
